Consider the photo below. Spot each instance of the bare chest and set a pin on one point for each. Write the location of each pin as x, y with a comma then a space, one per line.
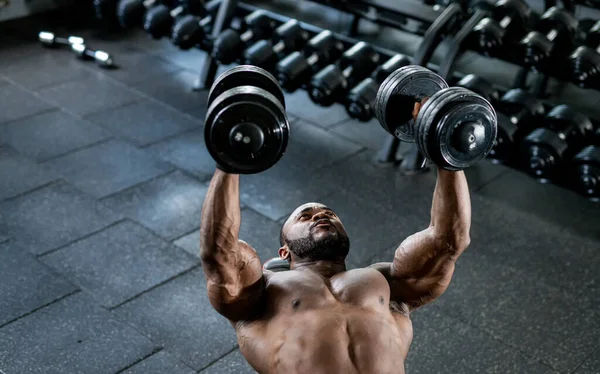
299, 291
343, 324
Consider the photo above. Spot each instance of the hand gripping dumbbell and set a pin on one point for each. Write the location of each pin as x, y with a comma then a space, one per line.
480, 86
130, 13
296, 69
583, 172
49, 39
331, 84
102, 58
453, 127
230, 44
519, 112
159, 20
246, 128
585, 60
360, 102
492, 36
552, 41
545, 151
286, 38
190, 30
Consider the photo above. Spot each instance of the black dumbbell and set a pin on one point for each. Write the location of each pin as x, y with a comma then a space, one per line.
360, 102
585, 60
286, 38
102, 58
246, 128
493, 35
583, 173
480, 86
230, 45
332, 83
452, 126
545, 151
519, 112
190, 30
49, 39
551, 42
296, 69
159, 20
130, 13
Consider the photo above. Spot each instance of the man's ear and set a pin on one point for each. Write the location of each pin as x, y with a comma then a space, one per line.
284, 253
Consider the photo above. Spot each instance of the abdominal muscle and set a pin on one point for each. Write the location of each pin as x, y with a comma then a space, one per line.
341, 339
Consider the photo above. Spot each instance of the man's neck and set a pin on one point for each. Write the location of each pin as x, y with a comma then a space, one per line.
325, 268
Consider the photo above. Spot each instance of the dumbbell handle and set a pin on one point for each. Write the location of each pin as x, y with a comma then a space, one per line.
177, 11
101, 57
505, 22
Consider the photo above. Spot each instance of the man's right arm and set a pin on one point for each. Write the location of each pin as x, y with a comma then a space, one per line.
233, 271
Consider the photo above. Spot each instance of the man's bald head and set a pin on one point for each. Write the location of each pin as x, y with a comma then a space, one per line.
314, 231
295, 213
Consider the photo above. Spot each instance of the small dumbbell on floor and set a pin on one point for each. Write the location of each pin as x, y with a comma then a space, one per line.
453, 127
102, 58
49, 39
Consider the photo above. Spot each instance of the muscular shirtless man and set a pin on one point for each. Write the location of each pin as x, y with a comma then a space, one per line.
318, 317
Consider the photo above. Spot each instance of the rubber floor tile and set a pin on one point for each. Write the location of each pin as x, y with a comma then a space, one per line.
53, 216
26, 284
107, 168
118, 263
72, 335
51, 134
170, 206
179, 317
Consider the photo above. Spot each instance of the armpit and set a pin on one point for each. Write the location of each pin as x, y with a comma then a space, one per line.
400, 308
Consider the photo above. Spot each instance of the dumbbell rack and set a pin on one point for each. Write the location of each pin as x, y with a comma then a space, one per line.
443, 26
390, 13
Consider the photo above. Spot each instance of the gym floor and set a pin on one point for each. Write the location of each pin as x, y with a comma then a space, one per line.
102, 180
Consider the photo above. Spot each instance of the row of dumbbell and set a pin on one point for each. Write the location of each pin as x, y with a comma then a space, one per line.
560, 145
319, 64
548, 44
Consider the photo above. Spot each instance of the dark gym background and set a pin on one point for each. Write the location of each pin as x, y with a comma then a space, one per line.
102, 180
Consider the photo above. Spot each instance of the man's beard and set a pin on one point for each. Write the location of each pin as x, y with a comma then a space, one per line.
330, 248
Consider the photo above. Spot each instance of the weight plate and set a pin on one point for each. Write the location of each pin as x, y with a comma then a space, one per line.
423, 127
130, 12
158, 21
187, 32
246, 130
505, 139
245, 75
457, 128
384, 94
397, 97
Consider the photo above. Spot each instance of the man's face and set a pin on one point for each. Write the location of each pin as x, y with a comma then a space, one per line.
315, 232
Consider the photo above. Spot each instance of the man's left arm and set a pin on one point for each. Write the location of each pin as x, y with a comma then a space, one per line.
424, 263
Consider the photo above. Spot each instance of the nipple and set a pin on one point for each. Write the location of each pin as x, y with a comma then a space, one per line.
296, 303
